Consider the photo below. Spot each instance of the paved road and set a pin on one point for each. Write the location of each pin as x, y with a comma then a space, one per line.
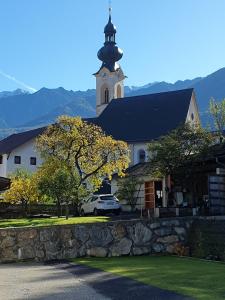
32, 281
66, 281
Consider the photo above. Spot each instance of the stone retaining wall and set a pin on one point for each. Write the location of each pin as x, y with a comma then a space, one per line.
118, 238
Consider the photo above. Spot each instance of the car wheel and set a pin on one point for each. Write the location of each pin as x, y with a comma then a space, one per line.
82, 213
95, 212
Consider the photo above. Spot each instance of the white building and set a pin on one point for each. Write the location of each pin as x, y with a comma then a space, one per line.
136, 120
18, 152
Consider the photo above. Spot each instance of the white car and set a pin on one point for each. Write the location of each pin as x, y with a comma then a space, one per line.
99, 204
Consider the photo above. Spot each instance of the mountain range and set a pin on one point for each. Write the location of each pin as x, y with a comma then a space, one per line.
21, 110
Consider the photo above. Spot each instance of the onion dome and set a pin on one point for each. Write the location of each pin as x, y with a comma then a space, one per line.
110, 29
109, 54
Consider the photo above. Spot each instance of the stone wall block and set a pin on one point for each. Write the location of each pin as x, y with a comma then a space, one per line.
27, 252
81, 233
7, 242
8, 255
100, 236
118, 231
53, 250
70, 253
141, 250
158, 248
171, 223
140, 234
154, 225
123, 247
40, 253
6, 232
180, 230
97, 252
27, 238
66, 234
49, 234
171, 248
82, 251
163, 231
168, 239
70, 244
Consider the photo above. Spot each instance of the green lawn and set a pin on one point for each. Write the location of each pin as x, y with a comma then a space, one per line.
50, 221
200, 279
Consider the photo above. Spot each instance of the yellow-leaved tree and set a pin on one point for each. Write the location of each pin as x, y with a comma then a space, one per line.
84, 150
23, 190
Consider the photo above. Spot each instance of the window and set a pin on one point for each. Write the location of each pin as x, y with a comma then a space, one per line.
192, 116
94, 199
1, 160
17, 160
112, 38
141, 156
33, 161
106, 95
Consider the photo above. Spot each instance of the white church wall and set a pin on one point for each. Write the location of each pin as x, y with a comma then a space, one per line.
25, 151
193, 115
135, 150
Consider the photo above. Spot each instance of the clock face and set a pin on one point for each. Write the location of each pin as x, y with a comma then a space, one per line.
104, 75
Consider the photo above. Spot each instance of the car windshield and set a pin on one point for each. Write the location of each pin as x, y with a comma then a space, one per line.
108, 197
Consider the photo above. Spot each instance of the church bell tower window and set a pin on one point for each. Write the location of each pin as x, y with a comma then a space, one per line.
106, 100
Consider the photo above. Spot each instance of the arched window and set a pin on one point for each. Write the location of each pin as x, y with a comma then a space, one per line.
106, 99
141, 156
119, 91
104, 94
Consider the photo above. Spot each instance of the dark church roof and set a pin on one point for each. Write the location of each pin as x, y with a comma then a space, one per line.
131, 119
15, 140
145, 118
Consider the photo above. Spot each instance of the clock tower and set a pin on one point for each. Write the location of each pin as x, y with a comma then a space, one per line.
110, 77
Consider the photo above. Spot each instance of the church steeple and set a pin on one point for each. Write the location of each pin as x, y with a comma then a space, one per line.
109, 78
109, 54
110, 29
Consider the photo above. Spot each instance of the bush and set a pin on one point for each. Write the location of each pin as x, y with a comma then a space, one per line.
207, 239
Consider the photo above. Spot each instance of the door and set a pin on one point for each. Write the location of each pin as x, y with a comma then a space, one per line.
149, 195
92, 204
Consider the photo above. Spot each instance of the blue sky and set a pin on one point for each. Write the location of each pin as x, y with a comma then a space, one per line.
54, 43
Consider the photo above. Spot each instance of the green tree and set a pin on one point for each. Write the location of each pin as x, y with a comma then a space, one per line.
84, 149
179, 150
217, 110
129, 189
54, 180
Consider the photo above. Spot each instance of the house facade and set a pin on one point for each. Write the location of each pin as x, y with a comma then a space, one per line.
18, 151
136, 120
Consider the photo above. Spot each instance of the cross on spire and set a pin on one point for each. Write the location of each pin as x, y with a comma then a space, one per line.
110, 8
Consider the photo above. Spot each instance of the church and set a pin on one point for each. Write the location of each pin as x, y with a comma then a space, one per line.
136, 120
